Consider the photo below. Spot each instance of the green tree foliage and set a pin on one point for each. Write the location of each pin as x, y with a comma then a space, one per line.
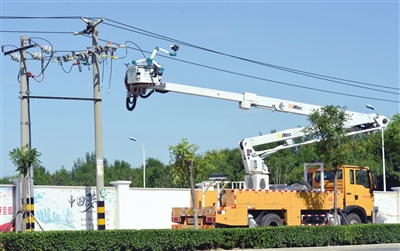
206, 164
119, 170
61, 177
392, 149
282, 167
24, 157
6, 179
234, 165
180, 155
84, 171
41, 176
327, 125
285, 166
226, 161
158, 174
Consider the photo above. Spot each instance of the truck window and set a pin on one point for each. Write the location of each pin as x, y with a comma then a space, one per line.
351, 176
362, 178
317, 176
328, 175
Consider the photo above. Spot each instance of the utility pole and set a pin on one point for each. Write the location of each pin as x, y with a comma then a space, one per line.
98, 132
24, 127
27, 209
100, 191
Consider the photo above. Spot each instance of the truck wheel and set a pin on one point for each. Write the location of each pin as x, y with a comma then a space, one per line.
271, 220
353, 219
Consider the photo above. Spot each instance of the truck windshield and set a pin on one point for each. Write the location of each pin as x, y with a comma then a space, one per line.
362, 178
328, 175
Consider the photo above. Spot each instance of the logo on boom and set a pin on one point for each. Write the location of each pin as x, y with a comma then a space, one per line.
296, 107
284, 135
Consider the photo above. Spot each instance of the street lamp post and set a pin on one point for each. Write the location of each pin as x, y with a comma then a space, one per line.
144, 160
383, 149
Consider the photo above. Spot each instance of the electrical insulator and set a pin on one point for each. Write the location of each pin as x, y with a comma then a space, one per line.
99, 49
16, 57
46, 49
115, 57
36, 55
85, 55
67, 58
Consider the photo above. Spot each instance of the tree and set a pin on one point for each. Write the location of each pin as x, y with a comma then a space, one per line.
61, 177
327, 125
23, 158
158, 174
282, 167
182, 157
226, 161
392, 149
41, 176
206, 164
6, 179
232, 165
84, 171
119, 170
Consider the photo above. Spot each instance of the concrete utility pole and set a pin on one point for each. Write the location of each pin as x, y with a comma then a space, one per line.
100, 192
26, 219
98, 131
24, 126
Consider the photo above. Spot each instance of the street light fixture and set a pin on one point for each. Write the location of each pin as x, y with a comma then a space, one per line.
383, 148
144, 160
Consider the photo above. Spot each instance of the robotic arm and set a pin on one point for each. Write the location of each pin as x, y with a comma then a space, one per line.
139, 77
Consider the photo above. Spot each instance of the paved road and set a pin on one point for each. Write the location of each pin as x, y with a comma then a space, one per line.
385, 247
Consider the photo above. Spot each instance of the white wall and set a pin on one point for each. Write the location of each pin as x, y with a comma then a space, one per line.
138, 208
71, 208
148, 208
388, 204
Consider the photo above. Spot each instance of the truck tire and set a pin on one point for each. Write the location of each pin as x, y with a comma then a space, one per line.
352, 219
271, 220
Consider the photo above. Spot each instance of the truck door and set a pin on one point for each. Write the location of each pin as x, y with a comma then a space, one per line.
350, 190
363, 196
358, 189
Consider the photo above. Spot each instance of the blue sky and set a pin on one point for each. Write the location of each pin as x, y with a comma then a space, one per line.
355, 40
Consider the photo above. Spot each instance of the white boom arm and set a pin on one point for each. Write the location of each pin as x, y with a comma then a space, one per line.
253, 163
141, 78
253, 160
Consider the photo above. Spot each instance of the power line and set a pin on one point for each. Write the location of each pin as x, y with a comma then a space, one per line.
260, 78
54, 32
318, 76
289, 84
44, 17
251, 76
304, 73
158, 36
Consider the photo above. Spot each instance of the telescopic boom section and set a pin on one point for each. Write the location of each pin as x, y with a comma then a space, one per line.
144, 78
253, 160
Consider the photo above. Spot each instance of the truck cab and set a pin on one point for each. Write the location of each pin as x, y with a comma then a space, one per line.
355, 182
